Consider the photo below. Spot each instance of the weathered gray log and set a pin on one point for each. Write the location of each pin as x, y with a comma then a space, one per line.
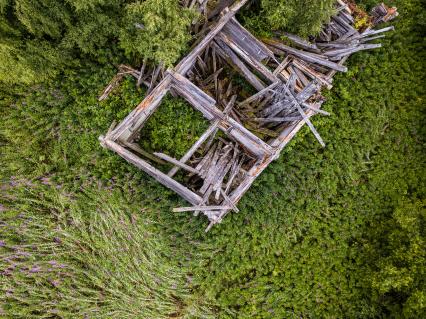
199, 208
141, 73
309, 57
196, 97
342, 52
141, 151
176, 162
364, 40
235, 62
260, 94
155, 76
315, 108
303, 43
277, 119
368, 33
255, 64
246, 41
184, 192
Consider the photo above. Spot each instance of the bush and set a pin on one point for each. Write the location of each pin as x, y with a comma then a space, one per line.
164, 33
397, 257
39, 39
302, 17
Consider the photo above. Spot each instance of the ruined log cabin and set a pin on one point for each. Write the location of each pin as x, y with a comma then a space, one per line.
246, 132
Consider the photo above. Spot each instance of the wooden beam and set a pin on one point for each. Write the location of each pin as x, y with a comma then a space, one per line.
260, 94
309, 57
184, 192
255, 64
228, 55
199, 208
245, 40
234, 129
174, 161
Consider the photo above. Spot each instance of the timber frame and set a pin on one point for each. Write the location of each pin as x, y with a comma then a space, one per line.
288, 82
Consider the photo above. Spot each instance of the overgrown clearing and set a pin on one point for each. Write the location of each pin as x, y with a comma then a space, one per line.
335, 232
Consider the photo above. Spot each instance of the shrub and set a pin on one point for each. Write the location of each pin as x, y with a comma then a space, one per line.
302, 17
39, 39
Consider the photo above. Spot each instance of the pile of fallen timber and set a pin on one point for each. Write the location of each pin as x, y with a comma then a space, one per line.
256, 94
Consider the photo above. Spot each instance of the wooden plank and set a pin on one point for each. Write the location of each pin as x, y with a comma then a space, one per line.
260, 94
255, 64
254, 145
244, 39
302, 43
141, 73
181, 190
312, 73
338, 54
235, 62
154, 77
195, 96
199, 208
309, 57
176, 162
234, 129
141, 151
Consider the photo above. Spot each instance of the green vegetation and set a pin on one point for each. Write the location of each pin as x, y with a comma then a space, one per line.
399, 272
324, 233
303, 17
39, 39
90, 256
175, 120
164, 31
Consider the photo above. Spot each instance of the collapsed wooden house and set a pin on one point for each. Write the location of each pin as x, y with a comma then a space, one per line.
246, 133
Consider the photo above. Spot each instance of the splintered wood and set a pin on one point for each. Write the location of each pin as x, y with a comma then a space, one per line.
256, 94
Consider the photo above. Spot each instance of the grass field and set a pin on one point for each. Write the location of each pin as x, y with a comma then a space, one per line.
335, 232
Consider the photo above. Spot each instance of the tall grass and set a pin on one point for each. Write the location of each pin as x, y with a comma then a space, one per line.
94, 255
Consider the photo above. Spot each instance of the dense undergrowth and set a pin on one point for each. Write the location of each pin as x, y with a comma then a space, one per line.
324, 233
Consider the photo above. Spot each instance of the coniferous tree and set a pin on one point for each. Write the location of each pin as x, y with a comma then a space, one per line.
163, 30
303, 17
